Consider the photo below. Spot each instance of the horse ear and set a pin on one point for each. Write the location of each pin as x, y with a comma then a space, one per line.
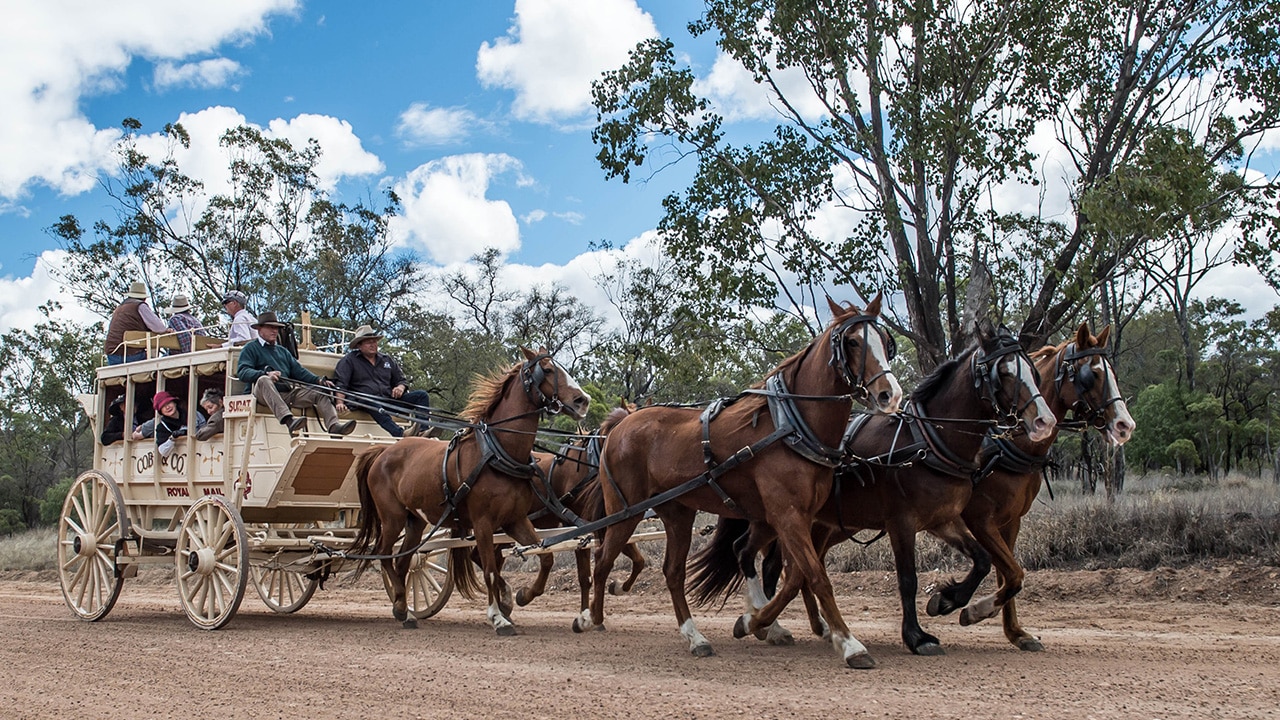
1103, 336
836, 310
873, 307
528, 354
983, 329
1084, 339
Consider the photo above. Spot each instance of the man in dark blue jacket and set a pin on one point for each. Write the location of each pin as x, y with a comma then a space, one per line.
266, 365
375, 383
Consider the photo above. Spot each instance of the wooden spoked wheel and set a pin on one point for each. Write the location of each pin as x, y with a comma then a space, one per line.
283, 589
212, 562
90, 532
428, 585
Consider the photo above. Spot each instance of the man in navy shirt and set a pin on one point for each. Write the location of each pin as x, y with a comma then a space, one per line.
375, 383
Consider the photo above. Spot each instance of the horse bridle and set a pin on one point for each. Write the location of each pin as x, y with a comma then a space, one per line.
1083, 379
859, 383
532, 375
986, 377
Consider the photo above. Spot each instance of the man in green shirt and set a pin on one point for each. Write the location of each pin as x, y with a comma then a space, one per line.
266, 365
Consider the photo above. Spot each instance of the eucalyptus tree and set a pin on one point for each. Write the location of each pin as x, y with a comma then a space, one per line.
271, 230
922, 107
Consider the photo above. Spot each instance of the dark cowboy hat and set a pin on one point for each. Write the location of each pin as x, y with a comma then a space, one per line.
267, 318
364, 332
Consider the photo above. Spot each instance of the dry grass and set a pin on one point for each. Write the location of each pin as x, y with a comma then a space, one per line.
31, 550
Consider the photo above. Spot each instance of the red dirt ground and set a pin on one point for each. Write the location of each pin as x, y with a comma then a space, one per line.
1200, 642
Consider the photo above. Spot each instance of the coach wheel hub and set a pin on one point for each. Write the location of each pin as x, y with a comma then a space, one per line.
85, 545
202, 561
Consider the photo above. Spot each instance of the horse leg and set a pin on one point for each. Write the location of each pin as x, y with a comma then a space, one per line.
491, 564
1007, 571
758, 588
1013, 630
615, 538
394, 570
772, 570
678, 522
637, 564
527, 593
804, 567
582, 559
953, 594
413, 529
903, 540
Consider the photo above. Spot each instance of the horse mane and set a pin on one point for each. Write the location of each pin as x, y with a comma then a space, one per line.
487, 390
940, 377
1047, 351
613, 418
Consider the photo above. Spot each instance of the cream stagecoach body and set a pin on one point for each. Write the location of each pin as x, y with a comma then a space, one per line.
252, 506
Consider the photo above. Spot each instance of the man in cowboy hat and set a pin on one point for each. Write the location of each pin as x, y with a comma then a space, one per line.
182, 322
242, 321
268, 367
132, 313
375, 383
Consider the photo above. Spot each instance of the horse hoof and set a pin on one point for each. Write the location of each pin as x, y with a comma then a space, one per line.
506, 631
577, 625
968, 617
929, 649
761, 633
613, 588
860, 661
938, 605
782, 639
740, 628
702, 651
400, 615
522, 598
1029, 644
410, 624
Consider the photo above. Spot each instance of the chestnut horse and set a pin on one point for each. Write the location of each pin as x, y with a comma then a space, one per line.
1075, 377
909, 473
766, 455
478, 483
573, 476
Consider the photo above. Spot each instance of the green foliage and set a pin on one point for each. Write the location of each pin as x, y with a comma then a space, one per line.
11, 521
54, 497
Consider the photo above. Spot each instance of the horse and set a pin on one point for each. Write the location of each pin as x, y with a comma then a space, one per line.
572, 474
1076, 378
767, 454
477, 482
909, 473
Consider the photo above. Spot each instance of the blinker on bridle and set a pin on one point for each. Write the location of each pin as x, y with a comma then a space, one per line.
532, 375
986, 377
1083, 380
858, 383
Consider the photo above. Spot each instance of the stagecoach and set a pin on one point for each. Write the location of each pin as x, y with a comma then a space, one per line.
247, 507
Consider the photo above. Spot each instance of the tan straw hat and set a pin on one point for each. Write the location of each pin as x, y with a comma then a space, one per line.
137, 291
180, 304
364, 332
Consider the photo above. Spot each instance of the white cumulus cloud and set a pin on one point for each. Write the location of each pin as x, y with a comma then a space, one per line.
447, 213
556, 48
211, 73
425, 125
56, 52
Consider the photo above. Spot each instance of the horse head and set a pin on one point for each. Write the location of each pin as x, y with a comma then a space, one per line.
1005, 374
550, 387
862, 351
1086, 382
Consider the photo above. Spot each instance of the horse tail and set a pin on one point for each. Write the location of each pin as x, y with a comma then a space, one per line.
713, 570
370, 522
462, 572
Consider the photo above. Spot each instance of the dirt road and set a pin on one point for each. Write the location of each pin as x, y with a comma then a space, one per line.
1201, 642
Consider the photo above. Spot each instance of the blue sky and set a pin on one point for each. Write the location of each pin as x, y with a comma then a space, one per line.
477, 113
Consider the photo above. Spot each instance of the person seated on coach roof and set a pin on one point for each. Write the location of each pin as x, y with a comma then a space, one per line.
266, 366
242, 321
182, 322
133, 313
367, 374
